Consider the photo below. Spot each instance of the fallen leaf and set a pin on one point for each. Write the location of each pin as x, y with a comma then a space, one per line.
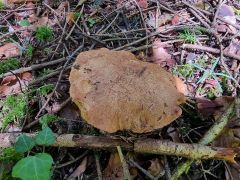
160, 54
142, 4
227, 13
156, 20
234, 47
71, 18
180, 18
174, 134
107, 87
13, 85
9, 50
215, 107
155, 167
79, 170
114, 170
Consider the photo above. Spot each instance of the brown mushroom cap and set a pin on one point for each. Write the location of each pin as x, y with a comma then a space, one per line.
115, 91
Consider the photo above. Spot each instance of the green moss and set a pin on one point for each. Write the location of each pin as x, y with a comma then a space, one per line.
14, 108
44, 33
47, 119
45, 89
10, 154
29, 50
9, 64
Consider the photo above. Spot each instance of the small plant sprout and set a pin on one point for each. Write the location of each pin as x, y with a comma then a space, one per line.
211, 74
44, 33
185, 70
188, 36
91, 22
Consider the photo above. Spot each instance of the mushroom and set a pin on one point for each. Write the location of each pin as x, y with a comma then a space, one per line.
115, 91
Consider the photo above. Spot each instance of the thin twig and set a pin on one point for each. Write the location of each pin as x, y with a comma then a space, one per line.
209, 49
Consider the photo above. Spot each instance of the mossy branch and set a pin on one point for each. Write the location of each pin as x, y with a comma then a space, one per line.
151, 146
211, 134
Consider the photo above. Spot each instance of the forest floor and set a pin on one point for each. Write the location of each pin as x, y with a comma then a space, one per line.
198, 41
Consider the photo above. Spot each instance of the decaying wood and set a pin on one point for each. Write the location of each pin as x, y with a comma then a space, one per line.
151, 146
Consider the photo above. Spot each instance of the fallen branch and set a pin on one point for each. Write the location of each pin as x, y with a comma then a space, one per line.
212, 134
33, 67
151, 146
211, 50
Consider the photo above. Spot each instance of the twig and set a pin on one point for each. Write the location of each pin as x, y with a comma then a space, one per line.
141, 169
197, 10
99, 172
58, 81
151, 146
33, 67
126, 172
220, 3
73, 161
41, 79
211, 134
228, 22
211, 50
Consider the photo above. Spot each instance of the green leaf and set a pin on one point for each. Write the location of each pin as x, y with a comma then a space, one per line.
24, 23
36, 167
24, 144
45, 137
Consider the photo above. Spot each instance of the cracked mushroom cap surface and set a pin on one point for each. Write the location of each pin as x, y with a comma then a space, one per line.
115, 91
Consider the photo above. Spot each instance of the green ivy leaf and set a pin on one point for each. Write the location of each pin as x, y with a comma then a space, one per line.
45, 137
36, 167
24, 23
24, 144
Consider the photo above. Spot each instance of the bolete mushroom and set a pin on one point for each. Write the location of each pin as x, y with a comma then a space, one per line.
115, 91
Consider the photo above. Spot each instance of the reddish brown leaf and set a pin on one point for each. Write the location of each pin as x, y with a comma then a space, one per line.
142, 3
160, 54
13, 85
9, 50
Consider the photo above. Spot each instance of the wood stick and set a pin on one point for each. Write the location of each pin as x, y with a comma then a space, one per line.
151, 146
211, 50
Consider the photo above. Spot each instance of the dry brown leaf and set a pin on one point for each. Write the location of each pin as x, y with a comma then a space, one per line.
71, 18
155, 167
9, 50
115, 91
160, 54
114, 170
13, 85
215, 107
79, 170
156, 20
